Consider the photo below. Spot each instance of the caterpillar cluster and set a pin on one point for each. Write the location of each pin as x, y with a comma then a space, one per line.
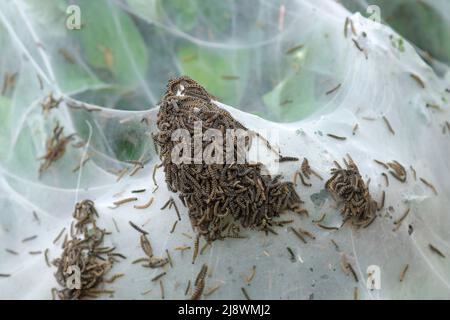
348, 186
216, 194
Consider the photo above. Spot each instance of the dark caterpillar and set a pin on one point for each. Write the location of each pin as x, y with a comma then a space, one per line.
348, 186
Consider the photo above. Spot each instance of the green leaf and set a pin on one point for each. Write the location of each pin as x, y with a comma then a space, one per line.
45, 13
149, 9
71, 77
216, 18
111, 41
222, 73
417, 21
292, 99
424, 26
183, 14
